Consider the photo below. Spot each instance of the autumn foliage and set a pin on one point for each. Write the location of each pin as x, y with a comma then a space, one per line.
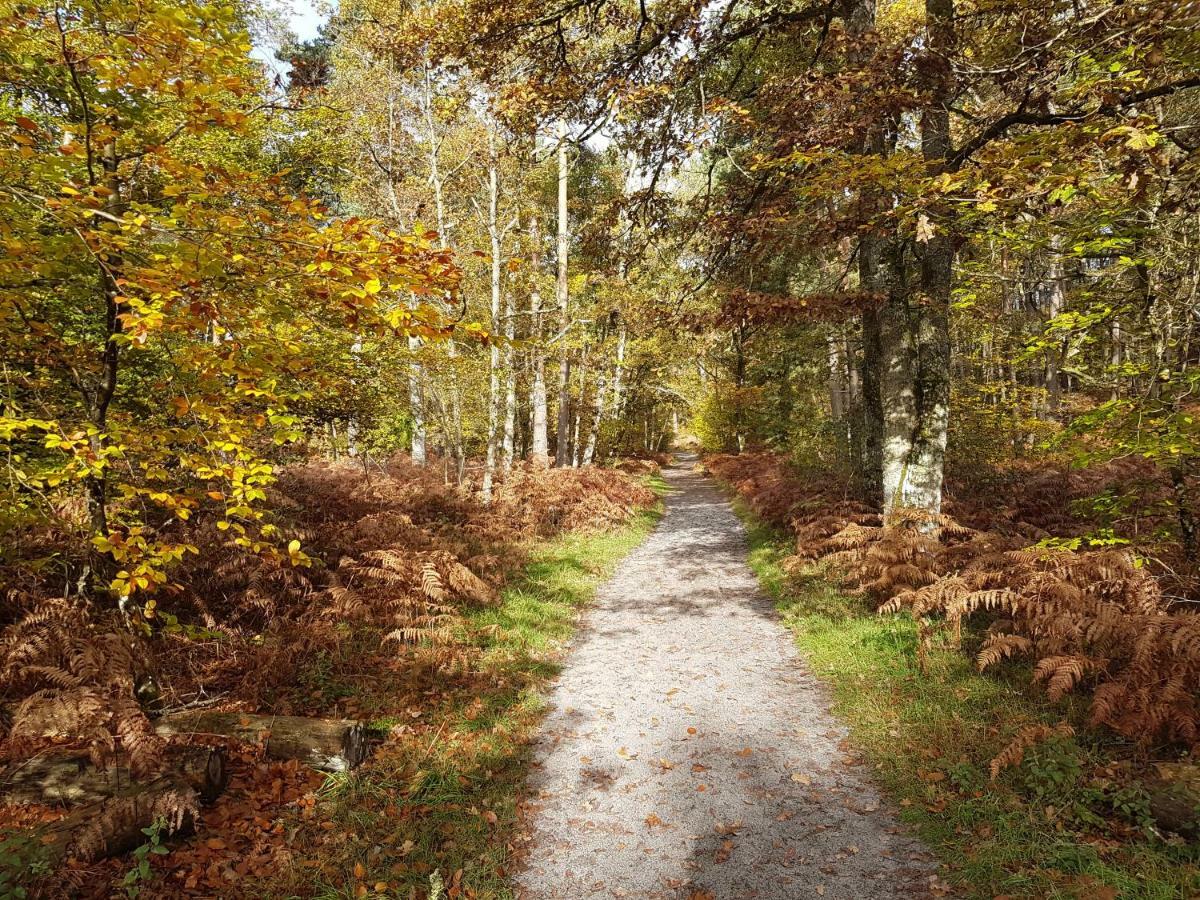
399, 551
392, 563
1088, 618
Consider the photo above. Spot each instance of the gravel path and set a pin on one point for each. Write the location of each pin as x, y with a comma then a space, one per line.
689, 754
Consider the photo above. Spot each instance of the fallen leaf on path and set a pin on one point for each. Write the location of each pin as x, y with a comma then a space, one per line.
626, 754
725, 851
821, 890
744, 752
653, 821
698, 767
801, 778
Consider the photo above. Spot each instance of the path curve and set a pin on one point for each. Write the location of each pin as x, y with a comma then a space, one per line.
689, 753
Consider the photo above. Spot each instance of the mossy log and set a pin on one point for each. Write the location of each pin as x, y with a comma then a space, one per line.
330, 745
73, 780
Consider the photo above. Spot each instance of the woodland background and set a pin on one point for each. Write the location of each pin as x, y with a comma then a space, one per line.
297, 374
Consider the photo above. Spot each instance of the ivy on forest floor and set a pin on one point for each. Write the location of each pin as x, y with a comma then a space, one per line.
1061, 825
439, 802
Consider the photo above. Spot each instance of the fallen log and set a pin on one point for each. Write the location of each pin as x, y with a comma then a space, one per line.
1173, 809
72, 780
331, 745
115, 825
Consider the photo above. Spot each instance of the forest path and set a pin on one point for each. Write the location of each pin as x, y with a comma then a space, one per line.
689, 754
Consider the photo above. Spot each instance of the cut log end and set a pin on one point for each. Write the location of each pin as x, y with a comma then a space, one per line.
355, 746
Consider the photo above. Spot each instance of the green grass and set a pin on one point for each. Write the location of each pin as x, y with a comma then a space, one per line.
1054, 827
439, 800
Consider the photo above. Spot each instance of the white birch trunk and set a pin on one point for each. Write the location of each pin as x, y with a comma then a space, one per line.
493, 224
540, 441
510, 386
562, 450
589, 452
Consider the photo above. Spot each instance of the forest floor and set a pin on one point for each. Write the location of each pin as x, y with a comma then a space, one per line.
690, 753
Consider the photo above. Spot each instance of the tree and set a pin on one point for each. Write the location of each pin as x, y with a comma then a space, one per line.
153, 253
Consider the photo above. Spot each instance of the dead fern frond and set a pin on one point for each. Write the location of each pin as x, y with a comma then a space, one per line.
1014, 752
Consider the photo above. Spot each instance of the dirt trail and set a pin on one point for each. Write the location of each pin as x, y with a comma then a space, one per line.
689, 754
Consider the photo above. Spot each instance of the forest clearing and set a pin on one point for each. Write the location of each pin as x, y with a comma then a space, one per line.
565, 448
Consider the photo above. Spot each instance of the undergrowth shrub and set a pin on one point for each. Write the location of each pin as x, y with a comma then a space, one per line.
1090, 614
392, 560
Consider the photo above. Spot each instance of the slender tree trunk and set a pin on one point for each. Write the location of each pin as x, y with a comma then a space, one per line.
576, 449
510, 386
1055, 352
416, 403
100, 397
618, 380
416, 371
437, 183
837, 381
589, 452
493, 224
540, 441
562, 449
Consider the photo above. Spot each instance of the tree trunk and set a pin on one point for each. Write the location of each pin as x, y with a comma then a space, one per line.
916, 336
114, 826
509, 443
331, 745
837, 382
98, 399
562, 449
416, 400
493, 226
618, 381
72, 780
437, 182
576, 447
589, 452
540, 440
1054, 353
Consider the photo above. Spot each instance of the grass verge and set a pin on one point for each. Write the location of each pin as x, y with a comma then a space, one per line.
435, 811
1063, 824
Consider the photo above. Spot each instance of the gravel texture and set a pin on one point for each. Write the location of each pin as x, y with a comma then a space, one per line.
690, 754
